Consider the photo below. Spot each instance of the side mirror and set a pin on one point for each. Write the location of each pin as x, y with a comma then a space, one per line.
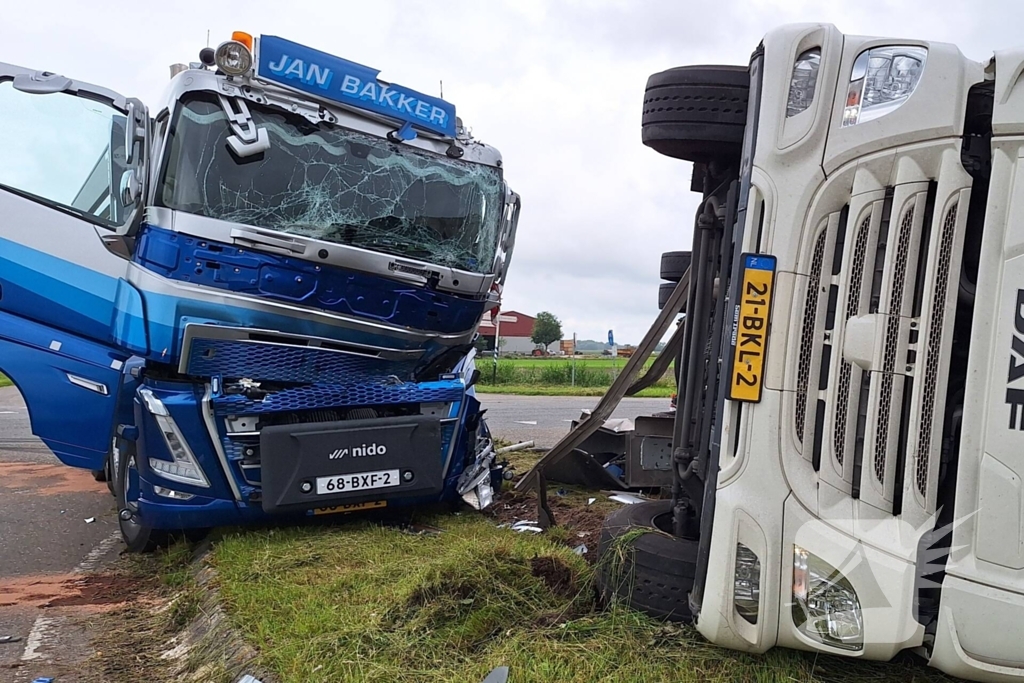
133, 132
130, 187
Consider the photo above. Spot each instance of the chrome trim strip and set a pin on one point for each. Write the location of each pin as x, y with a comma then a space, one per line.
274, 242
88, 384
211, 427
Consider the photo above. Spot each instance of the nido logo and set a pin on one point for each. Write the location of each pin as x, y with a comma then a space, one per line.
359, 451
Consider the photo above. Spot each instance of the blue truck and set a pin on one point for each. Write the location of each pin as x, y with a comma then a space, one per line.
259, 301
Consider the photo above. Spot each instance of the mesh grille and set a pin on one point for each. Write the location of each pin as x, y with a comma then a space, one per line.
807, 341
282, 363
892, 338
318, 396
933, 349
852, 309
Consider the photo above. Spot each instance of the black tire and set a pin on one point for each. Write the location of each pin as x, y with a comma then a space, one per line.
674, 265
100, 475
697, 113
139, 537
652, 573
664, 292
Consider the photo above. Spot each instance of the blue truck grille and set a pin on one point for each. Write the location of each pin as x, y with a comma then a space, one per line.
282, 363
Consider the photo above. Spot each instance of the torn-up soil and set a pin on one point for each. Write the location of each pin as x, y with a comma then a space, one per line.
581, 522
71, 590
47, 480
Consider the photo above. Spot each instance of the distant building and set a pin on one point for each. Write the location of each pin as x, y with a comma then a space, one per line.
514, 328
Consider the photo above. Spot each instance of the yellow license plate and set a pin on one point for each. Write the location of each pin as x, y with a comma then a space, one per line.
750, 328
356, 507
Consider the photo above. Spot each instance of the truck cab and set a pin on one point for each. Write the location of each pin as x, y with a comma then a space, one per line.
849, 439
257, 299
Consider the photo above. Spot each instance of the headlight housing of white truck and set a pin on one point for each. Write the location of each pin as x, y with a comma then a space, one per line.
825, 605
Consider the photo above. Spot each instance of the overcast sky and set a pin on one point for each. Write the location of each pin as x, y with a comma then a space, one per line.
557, 86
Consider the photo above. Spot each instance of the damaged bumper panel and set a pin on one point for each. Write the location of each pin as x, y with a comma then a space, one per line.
475, 483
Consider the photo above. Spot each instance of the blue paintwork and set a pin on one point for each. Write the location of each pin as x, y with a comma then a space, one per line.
339, 80
75, 423
296, 281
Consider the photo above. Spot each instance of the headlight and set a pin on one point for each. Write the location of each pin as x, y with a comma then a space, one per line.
803, 82
883, 78
746, 591
233, 58
825, 606
183, 468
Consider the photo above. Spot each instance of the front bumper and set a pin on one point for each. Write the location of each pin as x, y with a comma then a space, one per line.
979, 632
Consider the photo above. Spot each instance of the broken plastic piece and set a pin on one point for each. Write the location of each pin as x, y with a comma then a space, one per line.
90, 520
590, 501
249, 679
627, 498
43, 680
9, 639
526, 526
497, 675
581, 549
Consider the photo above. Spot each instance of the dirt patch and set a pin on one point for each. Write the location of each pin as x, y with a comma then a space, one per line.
47, 480
581, 522
71, 590
556, 574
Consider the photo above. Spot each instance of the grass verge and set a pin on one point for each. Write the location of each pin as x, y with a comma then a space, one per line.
360, 602
4, 382
537, 390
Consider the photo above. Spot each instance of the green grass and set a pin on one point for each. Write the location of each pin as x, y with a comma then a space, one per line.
589, 361
367, 603
538, 390
4, 382
586, 374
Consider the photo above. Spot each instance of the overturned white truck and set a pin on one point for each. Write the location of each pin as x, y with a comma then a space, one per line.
848, 450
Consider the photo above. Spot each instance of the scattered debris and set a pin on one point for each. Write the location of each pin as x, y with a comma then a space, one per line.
583, 534
526, 526
590, 501
581, 549
9, 639
516, 447
43, 680
526, 422
249, 679
90, 520
561, 493
627, 498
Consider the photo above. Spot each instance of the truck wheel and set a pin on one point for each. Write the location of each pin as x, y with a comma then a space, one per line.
100, 475
664, 292
674, 265
139, 537
653, 572
697, 113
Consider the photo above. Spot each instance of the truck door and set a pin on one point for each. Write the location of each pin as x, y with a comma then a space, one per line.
72, 178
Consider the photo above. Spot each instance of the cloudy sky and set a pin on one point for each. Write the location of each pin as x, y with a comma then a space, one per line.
556, 85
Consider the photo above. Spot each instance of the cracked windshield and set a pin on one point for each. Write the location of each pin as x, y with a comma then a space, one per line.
338, 185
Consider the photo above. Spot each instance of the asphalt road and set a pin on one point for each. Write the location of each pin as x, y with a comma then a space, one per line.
48, 548
545, 419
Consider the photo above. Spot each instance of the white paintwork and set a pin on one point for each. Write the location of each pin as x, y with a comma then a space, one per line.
806, 169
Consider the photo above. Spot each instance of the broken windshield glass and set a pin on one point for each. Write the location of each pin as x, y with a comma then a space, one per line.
335, 184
